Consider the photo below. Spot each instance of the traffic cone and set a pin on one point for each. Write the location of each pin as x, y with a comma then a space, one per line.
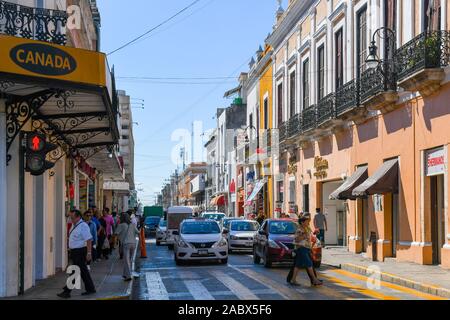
142, 241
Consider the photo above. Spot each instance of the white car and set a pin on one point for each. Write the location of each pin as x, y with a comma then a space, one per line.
161, 232
241, 235
200, 239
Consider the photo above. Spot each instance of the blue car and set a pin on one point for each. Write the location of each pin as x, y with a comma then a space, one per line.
151, 224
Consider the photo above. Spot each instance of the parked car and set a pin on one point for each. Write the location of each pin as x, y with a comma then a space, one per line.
161, 232
150, 224
226, 222
241, 235
274, 241
175, 215
200, 239
217, 216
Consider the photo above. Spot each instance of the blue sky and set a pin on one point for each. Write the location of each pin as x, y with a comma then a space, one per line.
215, 38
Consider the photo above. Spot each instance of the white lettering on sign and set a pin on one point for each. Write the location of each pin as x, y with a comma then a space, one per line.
435, 162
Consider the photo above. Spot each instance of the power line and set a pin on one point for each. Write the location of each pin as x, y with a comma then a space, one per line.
154, 28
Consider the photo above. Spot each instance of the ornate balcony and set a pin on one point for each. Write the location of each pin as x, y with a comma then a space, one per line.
309, 122
33, 23
420, 62
294, 126
378, 88
283, 132
347, 103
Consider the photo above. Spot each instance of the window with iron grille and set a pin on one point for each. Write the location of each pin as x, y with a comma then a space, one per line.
361, 43
292, 94
306, 84
339, 70
320, 72
280, 104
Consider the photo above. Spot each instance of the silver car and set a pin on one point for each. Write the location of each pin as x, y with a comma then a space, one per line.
161, 232
241, 235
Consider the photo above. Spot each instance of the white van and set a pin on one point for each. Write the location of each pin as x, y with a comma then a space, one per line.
176, 215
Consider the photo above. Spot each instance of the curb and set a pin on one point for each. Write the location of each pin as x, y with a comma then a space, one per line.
126, 296
422, 287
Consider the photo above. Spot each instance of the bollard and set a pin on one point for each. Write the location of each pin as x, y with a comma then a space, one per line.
142, 243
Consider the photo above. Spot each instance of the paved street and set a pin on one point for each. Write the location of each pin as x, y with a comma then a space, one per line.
161, 279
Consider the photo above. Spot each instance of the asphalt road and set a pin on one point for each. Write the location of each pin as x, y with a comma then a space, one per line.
161, 279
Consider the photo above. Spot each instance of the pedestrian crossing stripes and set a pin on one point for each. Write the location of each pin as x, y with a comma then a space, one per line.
254, 282
155, 286
241, 291
198, 290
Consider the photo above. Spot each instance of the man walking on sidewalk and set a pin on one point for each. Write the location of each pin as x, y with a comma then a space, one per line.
320, 223
80, 246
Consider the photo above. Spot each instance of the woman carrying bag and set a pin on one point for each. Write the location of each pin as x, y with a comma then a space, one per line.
303, 253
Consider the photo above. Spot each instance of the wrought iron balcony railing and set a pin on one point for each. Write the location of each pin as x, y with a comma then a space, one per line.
377, 80
33, 23
326, 109
309, 118
294, 125
347, 97
428, 50
283, 132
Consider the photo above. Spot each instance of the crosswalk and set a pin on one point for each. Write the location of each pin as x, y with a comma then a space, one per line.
246, 283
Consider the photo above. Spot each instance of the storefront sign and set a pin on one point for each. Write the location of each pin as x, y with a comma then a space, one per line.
435, 162
321, 166
20, 56
43, 59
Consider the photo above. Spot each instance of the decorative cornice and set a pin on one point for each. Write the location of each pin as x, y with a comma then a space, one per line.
338, 12
293, 16
304, 46
280, 72
322, 29
292, 59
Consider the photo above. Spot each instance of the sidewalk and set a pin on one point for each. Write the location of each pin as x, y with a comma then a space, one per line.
429, 279
107, 277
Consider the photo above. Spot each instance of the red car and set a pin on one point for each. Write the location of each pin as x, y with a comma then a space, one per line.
274, 242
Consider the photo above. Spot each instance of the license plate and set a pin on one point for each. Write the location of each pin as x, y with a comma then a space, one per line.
203, 252
249, 244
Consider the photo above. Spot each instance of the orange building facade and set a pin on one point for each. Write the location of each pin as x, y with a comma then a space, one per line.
366, 145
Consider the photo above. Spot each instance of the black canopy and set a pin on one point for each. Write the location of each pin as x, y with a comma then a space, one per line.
384, 180
344, 192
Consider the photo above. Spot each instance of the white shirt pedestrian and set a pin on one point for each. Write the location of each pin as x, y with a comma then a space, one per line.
79, 234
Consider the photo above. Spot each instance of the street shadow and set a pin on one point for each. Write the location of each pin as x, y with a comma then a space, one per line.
326, 146
398, 119
434, 108
368, 130
309, 151
344, 139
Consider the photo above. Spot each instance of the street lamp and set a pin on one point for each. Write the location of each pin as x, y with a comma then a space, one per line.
373, 60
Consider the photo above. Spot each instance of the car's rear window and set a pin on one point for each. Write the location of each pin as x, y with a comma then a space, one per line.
200, 227
152, 220
163, 223
227, 222
244, 226
282, 227
214, 216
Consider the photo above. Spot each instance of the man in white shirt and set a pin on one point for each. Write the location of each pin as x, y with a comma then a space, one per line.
80, 246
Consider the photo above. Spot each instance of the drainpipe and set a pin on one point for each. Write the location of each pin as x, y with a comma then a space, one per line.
3, 198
